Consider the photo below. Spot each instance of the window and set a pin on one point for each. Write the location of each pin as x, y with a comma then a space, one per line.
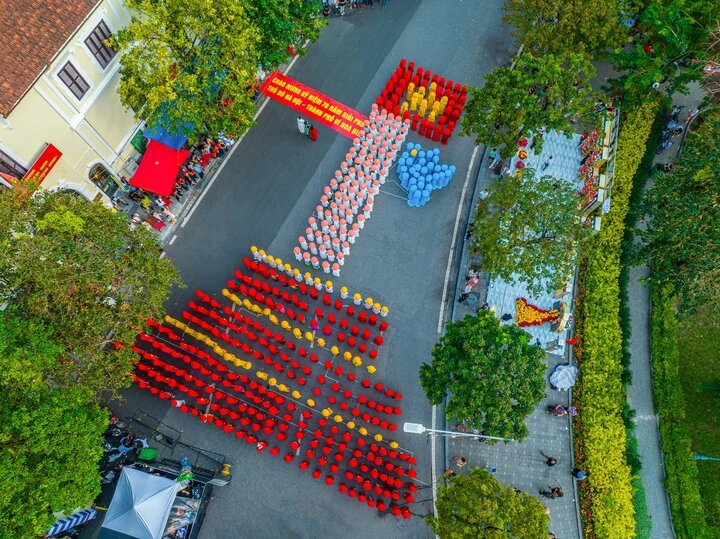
96, 44
9, 166
73, 80
103, 179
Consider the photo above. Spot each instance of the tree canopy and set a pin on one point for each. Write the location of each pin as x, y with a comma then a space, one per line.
281, 23
477, 505
493, 375
548, 91
50, 437
75, 268
529, 230
683, 206
189, 66
669, 47
556, 26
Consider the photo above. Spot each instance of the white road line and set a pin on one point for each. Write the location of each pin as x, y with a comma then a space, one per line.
454, 240
172, 240
433, 469
232, 150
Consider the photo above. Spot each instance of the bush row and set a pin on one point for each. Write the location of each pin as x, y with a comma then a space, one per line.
681, 479
643, 521
608, 492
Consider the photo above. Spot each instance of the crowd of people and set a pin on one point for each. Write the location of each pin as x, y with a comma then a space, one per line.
155, 212
340, 7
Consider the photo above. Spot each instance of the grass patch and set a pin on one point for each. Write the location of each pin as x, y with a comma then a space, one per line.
643, 521
699, 372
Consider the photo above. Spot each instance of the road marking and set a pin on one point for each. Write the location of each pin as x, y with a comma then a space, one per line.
454, 240
172, 240
432, 461
232, 150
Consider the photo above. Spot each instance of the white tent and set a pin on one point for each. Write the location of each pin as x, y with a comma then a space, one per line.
140, 506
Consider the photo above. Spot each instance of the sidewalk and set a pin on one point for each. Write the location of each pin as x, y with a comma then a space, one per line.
640, 392
521, 464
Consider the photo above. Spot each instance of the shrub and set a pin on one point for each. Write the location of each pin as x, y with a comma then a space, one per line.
608, 492
681, 479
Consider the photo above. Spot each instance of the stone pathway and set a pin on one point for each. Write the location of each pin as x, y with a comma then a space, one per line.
521, 464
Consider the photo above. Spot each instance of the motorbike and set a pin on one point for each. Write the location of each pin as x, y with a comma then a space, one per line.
560, 410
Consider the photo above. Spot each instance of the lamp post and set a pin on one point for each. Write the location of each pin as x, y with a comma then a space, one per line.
417, 428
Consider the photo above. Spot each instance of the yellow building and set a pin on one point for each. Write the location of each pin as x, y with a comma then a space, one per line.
60, 115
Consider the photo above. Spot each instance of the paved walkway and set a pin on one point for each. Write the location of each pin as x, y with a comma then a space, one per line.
640, 392
521, 464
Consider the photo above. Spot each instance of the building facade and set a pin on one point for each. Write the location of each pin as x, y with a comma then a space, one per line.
61, 119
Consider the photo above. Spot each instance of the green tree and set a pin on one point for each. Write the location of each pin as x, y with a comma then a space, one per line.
50, 437
477, 505
189, 65
529, 230
556, 26
76, 267
549, 91
681, 244
669, 35
493, 375
281, 23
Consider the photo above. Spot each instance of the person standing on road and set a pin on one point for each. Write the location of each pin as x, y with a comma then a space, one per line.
465, 294
302, 125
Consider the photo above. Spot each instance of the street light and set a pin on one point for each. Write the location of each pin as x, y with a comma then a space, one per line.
417, 428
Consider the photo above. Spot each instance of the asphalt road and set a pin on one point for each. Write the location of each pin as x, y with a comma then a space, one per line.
263, 197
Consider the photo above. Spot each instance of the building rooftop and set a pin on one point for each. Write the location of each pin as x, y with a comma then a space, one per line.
31, 34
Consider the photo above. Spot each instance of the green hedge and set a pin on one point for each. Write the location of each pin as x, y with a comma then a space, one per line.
681, 470
643, 522
607, 494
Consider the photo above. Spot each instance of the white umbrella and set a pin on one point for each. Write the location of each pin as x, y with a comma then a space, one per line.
563, 377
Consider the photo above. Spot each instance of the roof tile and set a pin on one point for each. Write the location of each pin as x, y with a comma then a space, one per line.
32, 33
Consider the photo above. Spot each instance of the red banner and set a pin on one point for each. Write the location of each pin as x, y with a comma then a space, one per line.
43, 165
314, 104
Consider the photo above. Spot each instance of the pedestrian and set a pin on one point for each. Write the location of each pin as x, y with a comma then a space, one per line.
493, 153
384, 3
506, 317
547, 163
302, 125
460, 461
692, 113
465, 293
579, 474
491, 469
547, 494
557, 492
495, 161
550, 461
484, 194
313, 133
449, 473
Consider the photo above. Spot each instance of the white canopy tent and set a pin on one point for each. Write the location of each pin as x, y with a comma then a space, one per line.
140, 506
